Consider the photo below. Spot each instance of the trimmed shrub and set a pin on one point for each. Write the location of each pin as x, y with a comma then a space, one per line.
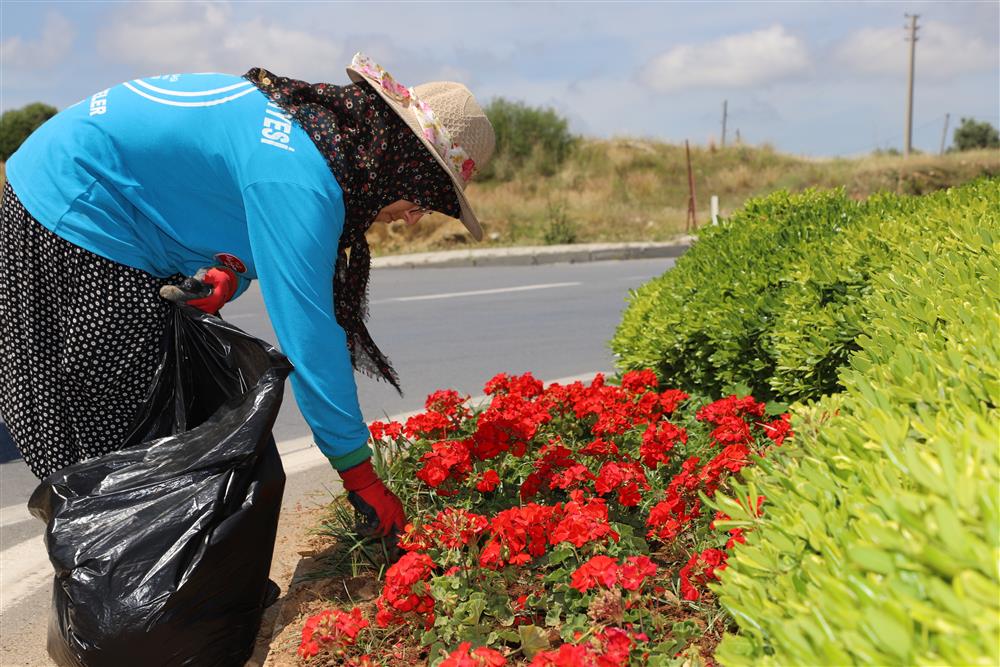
707, 324
880, 531
774, 298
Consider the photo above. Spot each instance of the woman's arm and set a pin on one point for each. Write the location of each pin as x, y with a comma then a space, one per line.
294, 232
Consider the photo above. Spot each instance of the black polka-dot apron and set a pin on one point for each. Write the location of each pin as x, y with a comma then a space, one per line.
79, 341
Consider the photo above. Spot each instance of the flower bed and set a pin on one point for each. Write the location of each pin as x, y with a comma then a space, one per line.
565, 525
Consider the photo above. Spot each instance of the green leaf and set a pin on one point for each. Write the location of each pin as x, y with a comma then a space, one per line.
775, 408
873, 559
509, 636
889, 633
553, 615
533, 640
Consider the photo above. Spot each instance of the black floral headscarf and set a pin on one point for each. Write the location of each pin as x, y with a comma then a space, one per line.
377, 159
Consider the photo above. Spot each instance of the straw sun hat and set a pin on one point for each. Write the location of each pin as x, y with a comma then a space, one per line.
446, 118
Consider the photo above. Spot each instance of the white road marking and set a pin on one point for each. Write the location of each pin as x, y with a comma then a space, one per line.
24, 567
498, 290
14, 514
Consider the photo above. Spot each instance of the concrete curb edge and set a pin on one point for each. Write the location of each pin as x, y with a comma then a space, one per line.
533, 255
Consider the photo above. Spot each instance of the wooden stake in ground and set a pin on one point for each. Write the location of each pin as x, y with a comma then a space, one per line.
725, 112
692, 221
944, 133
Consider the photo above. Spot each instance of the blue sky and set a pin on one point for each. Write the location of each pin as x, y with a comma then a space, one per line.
816, 78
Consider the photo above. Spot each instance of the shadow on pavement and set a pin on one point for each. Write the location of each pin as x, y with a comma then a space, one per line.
8, 452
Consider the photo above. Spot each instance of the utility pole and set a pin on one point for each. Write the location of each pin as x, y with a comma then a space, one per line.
908, 137
725, 103
944, 133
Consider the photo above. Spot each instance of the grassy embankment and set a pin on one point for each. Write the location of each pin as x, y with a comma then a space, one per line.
628, 190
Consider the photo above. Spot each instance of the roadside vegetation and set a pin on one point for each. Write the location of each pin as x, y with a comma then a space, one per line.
632, 190
799, 465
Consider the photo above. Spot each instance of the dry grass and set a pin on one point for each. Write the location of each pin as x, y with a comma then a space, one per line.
630, 190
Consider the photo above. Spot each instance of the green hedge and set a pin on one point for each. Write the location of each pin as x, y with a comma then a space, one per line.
708, 323
880, 534
773, 299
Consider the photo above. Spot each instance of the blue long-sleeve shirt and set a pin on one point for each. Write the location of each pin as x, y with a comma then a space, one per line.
173, 173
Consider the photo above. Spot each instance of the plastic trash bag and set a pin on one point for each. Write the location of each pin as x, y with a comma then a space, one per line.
162, 549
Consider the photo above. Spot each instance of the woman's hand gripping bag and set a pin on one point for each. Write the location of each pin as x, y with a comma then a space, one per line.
162, 549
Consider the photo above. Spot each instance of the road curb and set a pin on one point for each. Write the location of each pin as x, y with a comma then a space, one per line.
532, 255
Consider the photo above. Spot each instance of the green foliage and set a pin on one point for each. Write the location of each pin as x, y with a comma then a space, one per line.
17, 124
707, 324
971, 134
775, 297
880, 530
529, 140
560, 228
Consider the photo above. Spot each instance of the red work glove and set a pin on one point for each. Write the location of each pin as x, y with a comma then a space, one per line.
379, 511
208, 290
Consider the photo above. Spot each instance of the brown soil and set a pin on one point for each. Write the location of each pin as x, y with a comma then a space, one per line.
301, 568
298, 554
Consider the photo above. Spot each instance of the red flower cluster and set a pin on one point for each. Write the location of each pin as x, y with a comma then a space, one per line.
583, 520
448, 459
615, 410
731, 406
385, 430
452, 528
519, 534
735, 420
669, 517
406, 590
609, 648
445, 413
779, 429
488, 481
330, 627
605, 571
478, 657
700, 569
657, 442
628, 478
543, 465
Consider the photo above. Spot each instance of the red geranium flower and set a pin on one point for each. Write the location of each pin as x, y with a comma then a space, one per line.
488, 481
479, 657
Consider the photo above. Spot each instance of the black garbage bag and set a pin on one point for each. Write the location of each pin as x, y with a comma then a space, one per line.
161, 550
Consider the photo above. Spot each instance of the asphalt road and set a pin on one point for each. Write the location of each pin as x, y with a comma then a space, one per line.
442, 328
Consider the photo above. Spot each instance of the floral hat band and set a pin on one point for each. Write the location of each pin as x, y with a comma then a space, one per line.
456, 157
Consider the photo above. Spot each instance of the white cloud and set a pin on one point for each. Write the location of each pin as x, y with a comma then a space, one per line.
737, 61
943, 50
21, 56
176, 37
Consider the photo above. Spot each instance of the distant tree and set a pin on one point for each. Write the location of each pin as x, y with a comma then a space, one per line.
970, 135
529, 138
17, 124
